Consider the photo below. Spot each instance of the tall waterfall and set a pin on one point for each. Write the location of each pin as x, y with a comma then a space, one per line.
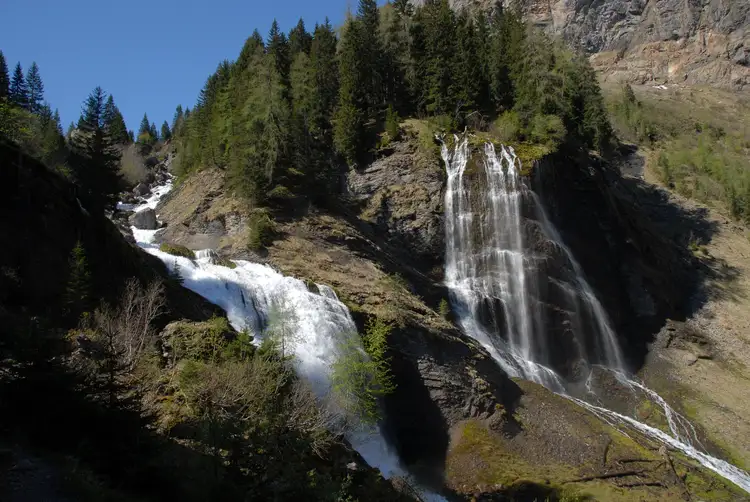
499, 244
322, 324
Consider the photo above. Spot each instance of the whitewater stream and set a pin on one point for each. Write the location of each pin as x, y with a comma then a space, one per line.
322, 324
490, 262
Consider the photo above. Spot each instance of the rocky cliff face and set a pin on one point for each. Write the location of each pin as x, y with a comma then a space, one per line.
649, 41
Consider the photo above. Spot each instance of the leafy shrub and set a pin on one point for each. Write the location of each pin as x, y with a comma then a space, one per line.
508, 127
392, 121
280, 193
444, 308
177, 250
361, 375
205, 341
547, 129
260, 230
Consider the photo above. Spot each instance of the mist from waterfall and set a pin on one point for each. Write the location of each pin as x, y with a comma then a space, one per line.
495, 276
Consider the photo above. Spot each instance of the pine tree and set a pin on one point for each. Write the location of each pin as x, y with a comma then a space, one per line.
98, 160
18, 92
178, 120
35, 88
278, 47
370, 52
78, 289
114, 122
349, 115
326, 71
145, 127
166, 133
299, 40
154, 131
4, 78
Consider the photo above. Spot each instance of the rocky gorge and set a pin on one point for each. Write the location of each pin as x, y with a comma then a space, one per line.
382, 253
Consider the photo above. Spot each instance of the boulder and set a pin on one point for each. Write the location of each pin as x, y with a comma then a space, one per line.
141, 189
145, 220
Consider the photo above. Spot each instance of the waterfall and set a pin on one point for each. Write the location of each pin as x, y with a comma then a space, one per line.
321, 323
495, 272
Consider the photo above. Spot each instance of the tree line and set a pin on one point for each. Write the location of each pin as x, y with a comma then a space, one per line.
89, 152
293, 108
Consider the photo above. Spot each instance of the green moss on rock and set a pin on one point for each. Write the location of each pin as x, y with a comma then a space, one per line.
177, 250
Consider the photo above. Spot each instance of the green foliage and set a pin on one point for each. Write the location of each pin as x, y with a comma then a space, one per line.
361, 374
694, 154
35, 88
548, 130
177, 250
261, 230
507, 127
444, 309
18, 91
96, 158
114, 123
207, 341
392, 121
4, 78
78, 289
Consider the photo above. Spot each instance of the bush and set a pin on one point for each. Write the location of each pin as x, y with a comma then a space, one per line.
260, 230
444, 308
361, 375
392, 121
508, 127
132, 167
548, 130
280, 193
205, 341
177, 250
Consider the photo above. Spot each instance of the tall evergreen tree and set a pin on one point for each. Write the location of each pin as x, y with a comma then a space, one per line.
145, 126
154, 131
177, 120
98, 160
349, 116
78, 290
18, 92
35, 88
299, 40
4, 78
114, 122
166, 133
371, 54
326, 72
278, 47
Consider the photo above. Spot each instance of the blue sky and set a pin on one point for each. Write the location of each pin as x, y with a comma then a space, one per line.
150, 55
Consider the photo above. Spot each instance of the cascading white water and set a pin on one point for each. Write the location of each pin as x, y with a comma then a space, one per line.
321, 323
490, 273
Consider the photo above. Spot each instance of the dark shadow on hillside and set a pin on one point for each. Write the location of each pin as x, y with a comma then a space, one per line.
640, 250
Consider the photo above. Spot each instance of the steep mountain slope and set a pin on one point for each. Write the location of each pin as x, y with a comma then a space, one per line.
455, 417
649, 41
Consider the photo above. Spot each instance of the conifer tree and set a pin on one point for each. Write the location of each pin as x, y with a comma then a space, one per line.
326, 72
98, 160
154, 131
177, 120
78, 289
166, 133
370, 53
18, 92
145, 127
114, 122
348, 118
278, 47
4, 78
299, 40
35, 88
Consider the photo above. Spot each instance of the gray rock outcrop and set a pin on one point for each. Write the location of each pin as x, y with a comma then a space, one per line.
141, 189
144, 220
648, 41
